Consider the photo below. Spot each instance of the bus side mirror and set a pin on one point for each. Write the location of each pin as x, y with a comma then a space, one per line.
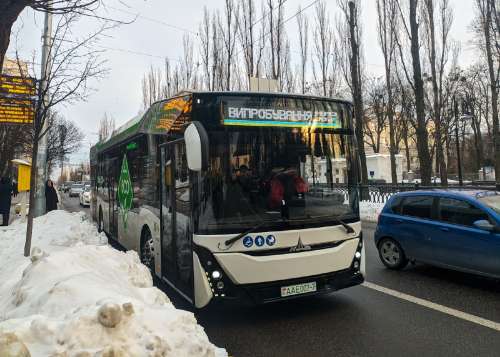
196, 139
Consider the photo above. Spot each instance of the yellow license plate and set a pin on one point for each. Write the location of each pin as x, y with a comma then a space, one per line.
298, 289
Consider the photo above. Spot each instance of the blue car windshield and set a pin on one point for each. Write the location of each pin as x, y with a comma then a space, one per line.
492, 201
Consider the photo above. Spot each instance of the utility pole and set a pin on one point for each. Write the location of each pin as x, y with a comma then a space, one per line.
41, 169
459, 159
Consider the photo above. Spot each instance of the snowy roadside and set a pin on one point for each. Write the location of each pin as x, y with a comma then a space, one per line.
77, 296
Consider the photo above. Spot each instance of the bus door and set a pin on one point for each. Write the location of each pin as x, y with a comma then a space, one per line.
113, 199
176, 232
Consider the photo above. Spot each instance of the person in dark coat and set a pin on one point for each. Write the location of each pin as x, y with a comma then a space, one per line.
51, 199
5, 199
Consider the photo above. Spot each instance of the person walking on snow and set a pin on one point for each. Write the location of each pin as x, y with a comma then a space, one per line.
51, 199
5, 199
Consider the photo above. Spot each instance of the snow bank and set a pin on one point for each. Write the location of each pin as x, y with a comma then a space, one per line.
77, 296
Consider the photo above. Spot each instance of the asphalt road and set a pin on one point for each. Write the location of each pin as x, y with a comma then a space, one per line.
363, 321
72, 204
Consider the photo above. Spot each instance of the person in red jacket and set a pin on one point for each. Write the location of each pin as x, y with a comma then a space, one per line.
287, 189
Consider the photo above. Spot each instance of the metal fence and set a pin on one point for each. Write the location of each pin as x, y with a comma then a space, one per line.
380, 193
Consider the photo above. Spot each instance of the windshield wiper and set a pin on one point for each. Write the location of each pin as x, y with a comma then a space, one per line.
347, 227
230, 241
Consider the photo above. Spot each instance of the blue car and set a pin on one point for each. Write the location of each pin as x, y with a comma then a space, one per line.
458, 230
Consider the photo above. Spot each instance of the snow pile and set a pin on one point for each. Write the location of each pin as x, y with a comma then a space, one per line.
77, 296
369, 211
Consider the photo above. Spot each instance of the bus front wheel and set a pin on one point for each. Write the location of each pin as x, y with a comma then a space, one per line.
147, 249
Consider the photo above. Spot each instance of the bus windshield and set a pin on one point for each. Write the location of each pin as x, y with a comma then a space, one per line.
285, 178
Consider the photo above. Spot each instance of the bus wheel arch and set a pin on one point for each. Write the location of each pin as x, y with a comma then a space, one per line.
147, 248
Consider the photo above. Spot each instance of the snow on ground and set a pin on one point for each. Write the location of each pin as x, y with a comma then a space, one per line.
63, 300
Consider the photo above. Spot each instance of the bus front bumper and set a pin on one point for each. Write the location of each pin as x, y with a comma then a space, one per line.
263, 293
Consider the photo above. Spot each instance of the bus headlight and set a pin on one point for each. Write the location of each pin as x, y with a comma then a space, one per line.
216, 275
357, 255
356, 265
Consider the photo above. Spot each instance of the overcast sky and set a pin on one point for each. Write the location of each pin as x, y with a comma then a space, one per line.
133, 48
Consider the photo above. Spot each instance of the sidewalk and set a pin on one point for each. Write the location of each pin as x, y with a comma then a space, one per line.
15, 201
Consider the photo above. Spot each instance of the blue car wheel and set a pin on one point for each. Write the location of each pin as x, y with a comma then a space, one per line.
391, 254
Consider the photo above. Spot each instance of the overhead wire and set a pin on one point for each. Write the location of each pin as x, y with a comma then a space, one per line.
151, 19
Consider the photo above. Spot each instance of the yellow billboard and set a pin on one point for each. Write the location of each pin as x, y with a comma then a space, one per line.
23, 175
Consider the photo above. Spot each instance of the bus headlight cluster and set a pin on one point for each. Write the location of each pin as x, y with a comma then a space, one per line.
216, 283
357, 255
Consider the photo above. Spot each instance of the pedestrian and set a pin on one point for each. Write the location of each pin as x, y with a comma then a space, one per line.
5, 199
51, 199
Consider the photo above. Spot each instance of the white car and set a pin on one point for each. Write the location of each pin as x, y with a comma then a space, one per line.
75, 190
85, 196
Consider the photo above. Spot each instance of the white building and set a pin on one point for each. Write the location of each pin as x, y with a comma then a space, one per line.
378, 167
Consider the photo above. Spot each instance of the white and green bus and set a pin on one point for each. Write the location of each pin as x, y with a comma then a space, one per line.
236, 195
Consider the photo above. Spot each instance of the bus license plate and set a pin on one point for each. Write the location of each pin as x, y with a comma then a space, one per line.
298, 289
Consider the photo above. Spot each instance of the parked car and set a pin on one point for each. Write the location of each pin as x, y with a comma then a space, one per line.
85, 196
459, 230
75, 189
67, 185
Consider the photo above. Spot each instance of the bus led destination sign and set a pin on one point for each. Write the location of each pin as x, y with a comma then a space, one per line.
280, 118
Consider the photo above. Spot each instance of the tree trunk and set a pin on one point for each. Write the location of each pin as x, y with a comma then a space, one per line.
407, 151
421, 130
440, 163
390, 115
357, 94
494, 89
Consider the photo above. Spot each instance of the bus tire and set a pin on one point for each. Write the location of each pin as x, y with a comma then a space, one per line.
147, 249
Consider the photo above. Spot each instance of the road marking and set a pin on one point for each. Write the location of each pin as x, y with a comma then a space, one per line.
433, 306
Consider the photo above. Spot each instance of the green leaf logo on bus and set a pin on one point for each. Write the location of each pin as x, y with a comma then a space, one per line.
125, 193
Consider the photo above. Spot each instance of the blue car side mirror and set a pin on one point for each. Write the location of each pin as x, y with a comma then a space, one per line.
485, 225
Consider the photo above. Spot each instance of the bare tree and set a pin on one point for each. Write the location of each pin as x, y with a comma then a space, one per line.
106, 127
323, 44
410, 33
14, 139
74, 62
438, 45
489, 27
357, 91
151, 87
275, 15
246, 31
11, 9
303, 28
228, 30
376, 115
187, 64
205, 47
387, 15
64, 139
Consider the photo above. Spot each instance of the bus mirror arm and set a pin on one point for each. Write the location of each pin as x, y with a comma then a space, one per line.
197, 146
